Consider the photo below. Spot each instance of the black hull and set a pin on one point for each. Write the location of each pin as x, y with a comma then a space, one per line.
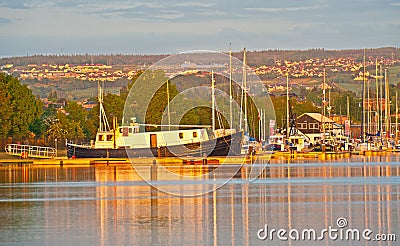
229, 145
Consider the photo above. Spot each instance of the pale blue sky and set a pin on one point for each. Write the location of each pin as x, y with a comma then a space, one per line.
149, 27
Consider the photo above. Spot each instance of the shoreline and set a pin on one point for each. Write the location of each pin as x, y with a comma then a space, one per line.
6, 159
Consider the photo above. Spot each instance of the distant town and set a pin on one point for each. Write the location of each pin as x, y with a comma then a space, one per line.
310, 68
59, 72
77, 81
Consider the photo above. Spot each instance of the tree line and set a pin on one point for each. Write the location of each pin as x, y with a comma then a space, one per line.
255, 58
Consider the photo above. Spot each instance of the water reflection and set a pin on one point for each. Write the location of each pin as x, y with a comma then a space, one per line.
103, 205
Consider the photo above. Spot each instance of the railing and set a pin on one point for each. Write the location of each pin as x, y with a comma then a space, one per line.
25, 151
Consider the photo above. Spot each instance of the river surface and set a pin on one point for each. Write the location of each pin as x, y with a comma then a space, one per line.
337, 202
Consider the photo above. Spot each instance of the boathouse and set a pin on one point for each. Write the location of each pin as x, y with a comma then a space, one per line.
314, 124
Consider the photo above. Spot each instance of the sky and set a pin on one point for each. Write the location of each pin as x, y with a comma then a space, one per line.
29, 27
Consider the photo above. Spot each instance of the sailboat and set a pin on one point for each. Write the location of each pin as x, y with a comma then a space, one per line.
293, 140
129, 142
250, 144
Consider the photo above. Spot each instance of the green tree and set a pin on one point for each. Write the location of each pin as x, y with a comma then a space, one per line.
158, 104
23, 105
60, 127
75, 112
39, 125
5, 111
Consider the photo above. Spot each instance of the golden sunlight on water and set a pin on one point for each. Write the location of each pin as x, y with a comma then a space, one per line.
103, 205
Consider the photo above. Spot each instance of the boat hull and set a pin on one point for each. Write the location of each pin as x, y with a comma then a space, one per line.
229, 145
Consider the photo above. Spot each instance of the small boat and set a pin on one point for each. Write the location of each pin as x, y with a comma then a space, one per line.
276, 142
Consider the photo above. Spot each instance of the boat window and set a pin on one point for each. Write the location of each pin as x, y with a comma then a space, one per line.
101, 137
110, 138
195, 134
136, 130
181, 135
130, 130
125, 131
120, 130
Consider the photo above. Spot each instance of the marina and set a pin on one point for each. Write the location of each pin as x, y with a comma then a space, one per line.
199, 123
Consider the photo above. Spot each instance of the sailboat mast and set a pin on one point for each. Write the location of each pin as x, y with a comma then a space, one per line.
329, 103
363, 103
264, 129
323, 106
287, 105
230, 89
212, 100
99, 96
377, 94
260, 125
348, 114
368, 108
168, 111
245, 89
103, 122
386, 107
381, 104
397, 111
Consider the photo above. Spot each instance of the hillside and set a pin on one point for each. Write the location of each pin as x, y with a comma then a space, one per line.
255, 58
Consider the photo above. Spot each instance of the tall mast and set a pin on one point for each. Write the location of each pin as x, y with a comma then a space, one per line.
377, 93
368, 108
348, 114
213, 100
363, 103
397, 111
323, 107
329, 103
381, 104
100, 98
264, 130
245, 89
230, 88
260, 124
287, 105
386, 107
168, 111
103, 122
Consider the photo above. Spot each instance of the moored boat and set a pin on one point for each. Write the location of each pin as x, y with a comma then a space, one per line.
128, 142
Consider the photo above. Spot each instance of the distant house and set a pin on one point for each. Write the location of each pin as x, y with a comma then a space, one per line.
89, 105
311, 124
340, 119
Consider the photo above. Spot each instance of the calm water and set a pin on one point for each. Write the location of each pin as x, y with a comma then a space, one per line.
109, 205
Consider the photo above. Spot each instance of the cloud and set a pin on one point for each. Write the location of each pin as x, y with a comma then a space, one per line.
4, 20
154, 26
157, 11
287, 9
26, 4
